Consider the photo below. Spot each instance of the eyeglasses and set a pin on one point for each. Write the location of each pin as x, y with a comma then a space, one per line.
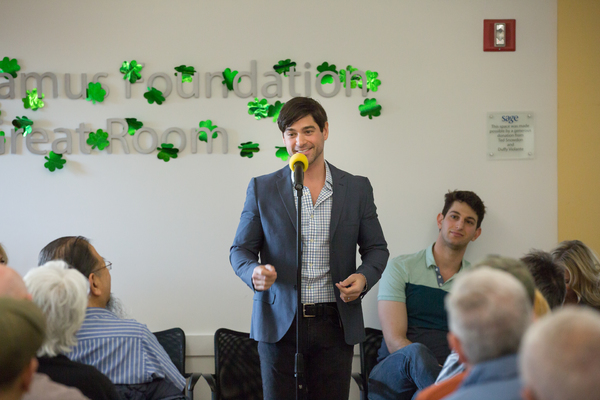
107, 265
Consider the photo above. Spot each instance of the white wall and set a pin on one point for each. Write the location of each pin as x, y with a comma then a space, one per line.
167, 227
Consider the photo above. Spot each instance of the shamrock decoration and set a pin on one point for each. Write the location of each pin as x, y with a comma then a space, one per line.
274, 110
95, 93
133, 125
98, 139
2, 134
55, 161
349, 70
372, 81
207, 124
9, 66
283, 66
370, 108
326, 67
154, 95
131, 71
166, 152
281, 153
32, 101
23, 122
260, 109
228, 77
187, 73
248, 149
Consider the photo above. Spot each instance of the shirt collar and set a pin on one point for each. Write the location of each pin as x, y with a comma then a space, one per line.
430, 260
328, 177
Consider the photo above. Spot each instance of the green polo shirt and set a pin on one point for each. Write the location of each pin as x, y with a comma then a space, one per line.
415, 279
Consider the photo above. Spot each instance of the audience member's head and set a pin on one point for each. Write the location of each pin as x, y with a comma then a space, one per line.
21, 334
3, 257
488, 313
77, 252
514, 267
11, 284
540, 305
62, 294
548, 275
467, 197
582, 273
560, 356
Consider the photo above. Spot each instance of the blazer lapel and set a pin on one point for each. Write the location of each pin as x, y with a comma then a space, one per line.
284, 186
339, 196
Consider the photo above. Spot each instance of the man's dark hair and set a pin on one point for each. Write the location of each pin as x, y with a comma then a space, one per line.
74, 250
549, 276
298, 108
465, 196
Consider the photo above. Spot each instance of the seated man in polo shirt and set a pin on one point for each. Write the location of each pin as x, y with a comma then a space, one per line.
122, 349
411, 302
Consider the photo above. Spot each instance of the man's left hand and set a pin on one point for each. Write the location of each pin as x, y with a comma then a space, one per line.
352, 287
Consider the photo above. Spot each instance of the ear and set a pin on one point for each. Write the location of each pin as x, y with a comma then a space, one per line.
326, 130
440, 218
527, 394
455, 345
477, 233
94, 285
27, 375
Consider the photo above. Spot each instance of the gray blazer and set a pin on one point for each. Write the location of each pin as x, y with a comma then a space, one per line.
267, 232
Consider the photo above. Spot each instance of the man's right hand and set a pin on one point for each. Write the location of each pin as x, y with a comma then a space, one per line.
263, 277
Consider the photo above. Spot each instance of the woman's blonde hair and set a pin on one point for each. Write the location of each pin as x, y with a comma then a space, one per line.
540, 305
584, 270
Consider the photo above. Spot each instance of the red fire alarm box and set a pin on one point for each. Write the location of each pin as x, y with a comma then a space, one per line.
499, 35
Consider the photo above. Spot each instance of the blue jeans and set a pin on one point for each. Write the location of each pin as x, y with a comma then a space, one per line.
327, 362
401, 374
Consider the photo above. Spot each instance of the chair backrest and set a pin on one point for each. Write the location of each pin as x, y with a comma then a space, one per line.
173, 341
368, 351
237, 366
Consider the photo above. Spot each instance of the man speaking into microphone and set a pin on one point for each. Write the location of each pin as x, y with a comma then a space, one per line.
338, 213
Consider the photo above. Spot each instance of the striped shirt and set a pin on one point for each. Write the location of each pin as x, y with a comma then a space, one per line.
123, 349
316, 276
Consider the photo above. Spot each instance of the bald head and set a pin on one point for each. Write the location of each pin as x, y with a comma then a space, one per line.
11, 284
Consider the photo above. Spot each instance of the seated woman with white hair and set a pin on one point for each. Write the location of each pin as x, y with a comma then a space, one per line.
62, 295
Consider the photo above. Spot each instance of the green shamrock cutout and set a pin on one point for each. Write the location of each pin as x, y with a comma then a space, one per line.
349, 70
154, 95
98, 139
131, 71
8, 66
260, 109
370, 108
2, 134
283, 66
55, 161
166, 152
372, 81
326, 67
23, 122
187, 73
207, 124
95, 93
282, 153
133, 125
32, 101
248, 149
274, 110
228, 77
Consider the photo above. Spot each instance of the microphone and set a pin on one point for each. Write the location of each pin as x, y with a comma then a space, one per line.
298, 164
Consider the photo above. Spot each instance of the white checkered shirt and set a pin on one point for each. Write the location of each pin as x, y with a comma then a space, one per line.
316, 276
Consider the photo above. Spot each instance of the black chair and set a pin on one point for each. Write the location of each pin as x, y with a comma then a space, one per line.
173, 341
368, 359
237, 367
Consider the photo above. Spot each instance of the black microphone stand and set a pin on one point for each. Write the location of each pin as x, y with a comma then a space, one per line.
299, 360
